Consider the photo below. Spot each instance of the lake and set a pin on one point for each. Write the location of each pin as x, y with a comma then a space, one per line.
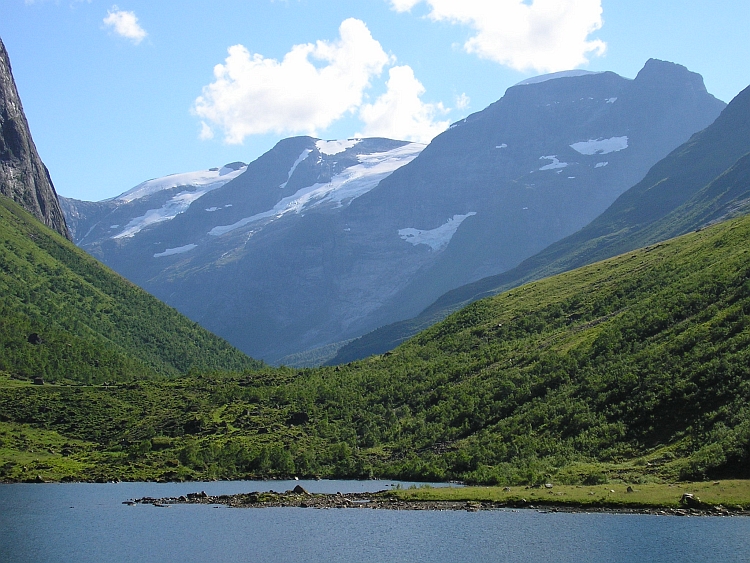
88, 523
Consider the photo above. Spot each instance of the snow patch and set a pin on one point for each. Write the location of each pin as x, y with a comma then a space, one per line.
210, 209
611, 100
171, 209
209, 179
555, 75
114, 226
343, 188
300, 159
601, 146
178, 250
335, 147
503, 146
601, 164
438, 238
554, 164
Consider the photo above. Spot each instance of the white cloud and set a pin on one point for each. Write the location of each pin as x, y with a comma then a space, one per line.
252, 94
125, 24
400, 113
544, 35
463, 101
206, 132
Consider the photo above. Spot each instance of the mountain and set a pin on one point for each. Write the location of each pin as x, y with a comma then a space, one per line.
23, 176
317, 242
633, 369
704, 181
69, 319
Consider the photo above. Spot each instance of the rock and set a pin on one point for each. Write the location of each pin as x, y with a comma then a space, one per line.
34, 338
300, 490
691, 501
38, 479
506, 489
630, 489
23, 176
548, 485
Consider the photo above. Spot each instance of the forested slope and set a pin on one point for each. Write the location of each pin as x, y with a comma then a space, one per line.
635, 368
67, 318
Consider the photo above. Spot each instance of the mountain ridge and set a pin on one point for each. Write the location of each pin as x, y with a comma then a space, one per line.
312, 245
674, 197
23, 176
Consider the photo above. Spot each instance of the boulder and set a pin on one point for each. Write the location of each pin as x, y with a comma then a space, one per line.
691, 501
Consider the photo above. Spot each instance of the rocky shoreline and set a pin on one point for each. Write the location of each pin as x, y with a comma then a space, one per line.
387, 500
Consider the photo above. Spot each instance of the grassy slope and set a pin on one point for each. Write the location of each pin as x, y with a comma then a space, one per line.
732, 494
705, 180
94, 325
633, 369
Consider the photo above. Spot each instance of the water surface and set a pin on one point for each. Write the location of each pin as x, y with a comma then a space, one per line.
88, 523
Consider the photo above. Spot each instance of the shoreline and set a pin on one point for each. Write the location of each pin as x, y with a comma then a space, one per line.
388, 500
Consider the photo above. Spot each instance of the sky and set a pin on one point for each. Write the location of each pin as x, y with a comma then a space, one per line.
117, 94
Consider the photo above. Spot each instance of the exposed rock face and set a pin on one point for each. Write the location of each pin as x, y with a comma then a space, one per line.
318, 242
23, 176
704, 181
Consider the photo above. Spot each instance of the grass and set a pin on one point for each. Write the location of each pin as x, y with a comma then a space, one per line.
633, 371
27, 452
733, 494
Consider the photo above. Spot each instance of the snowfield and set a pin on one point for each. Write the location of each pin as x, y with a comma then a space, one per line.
203, 181
178, 250
601, 146
335, 147
438, 238
302, 157
342, 189
555, 164
210, 179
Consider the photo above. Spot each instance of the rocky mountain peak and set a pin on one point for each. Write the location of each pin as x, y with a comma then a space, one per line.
23, 176
658, 72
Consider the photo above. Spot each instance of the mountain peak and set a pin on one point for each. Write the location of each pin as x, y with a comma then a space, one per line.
664, 72
23, 176
554, 76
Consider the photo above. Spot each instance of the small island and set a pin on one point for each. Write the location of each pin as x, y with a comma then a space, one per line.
730, 498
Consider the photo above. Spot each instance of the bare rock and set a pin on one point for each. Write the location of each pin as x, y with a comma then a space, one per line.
23, 176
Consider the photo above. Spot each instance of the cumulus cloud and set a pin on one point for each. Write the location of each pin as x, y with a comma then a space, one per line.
206, 132
313, 86
400, 113
125, 24
544, 35
463, 101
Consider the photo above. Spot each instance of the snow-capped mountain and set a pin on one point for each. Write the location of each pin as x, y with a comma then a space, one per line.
319, 241
150, 202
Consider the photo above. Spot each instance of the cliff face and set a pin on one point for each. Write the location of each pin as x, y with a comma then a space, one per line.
23, 176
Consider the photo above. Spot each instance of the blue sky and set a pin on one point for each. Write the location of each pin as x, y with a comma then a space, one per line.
118, 94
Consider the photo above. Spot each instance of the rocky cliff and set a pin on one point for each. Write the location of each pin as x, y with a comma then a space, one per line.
23, 176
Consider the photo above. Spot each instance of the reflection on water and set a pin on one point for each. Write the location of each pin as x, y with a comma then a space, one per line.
88, 523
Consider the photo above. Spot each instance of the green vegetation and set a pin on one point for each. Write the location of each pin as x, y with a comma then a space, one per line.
633, 370
67, 318
732, 494
704, 181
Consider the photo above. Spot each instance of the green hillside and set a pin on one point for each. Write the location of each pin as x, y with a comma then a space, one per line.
704, 181
634, 369
67, 318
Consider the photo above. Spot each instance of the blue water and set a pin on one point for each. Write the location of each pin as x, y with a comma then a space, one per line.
89, 523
